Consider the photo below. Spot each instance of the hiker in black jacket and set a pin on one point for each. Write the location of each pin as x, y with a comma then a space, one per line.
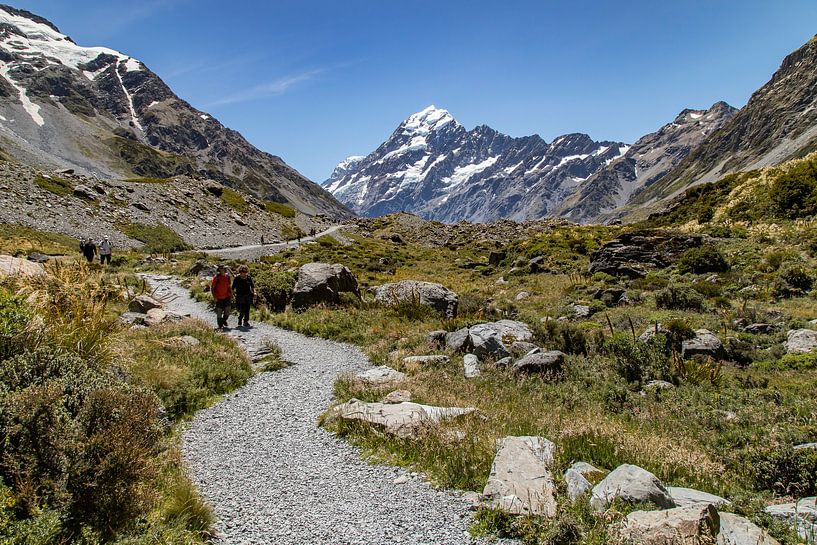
89, 250
244, 290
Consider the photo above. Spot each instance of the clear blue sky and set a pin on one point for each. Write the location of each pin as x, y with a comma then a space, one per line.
315, 81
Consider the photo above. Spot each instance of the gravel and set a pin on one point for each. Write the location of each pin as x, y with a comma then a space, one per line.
273, 476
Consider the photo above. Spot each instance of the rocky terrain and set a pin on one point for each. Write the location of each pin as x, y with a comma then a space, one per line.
104, 113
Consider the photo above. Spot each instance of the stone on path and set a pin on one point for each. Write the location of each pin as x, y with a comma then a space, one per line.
736, 530
694, 525
436, 296
631, 484
400, 419
687, 497
379, 376
520, 482
14, 266
801, 340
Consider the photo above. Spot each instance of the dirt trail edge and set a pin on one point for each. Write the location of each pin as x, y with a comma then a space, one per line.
274, 477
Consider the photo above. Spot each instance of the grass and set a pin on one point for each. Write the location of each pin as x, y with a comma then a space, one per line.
235, 200
158, 239
279, 209
54, 184
16, 239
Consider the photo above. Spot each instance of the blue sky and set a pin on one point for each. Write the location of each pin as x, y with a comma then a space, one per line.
316, 81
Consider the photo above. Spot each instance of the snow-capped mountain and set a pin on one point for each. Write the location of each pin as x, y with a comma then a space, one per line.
647, 161
105, 113
432, 166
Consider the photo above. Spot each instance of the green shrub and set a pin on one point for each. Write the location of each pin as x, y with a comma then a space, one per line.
280, 209
679, 298
327, 241
636, 361
567, 337
291, 232
158, 239
275, 288
651, 282
702, 260
235, 200
792, 193
792, 280
784, 470
14, 319
807, 360
775, 258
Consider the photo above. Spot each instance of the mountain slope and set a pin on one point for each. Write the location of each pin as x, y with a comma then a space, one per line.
646, 162
778, 123
432, 166
105, 113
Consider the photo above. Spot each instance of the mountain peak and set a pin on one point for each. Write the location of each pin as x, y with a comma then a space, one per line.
427, 120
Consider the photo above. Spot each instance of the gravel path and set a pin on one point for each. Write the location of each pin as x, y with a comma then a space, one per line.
257, 251
274, 477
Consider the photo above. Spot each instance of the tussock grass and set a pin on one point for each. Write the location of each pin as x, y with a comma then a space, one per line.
18, 239
56, 185
158, 239
235, 200
279, 209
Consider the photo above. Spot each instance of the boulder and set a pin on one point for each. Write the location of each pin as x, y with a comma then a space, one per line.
37, 257
536, 264
397, 396
143, 303
14, 266
736, 530
801, 341
435, 296
84, 192
458, 341
504, 362
687, 497
523, 348
522, 295
658, 385
545, 363
470, 365
651, 332
425, 361
757, 329
611, 296
579, 311
520, 482
379, 376
131, 318
400, 419
704, 343
489, 339
158, 316
800, 515
803, 446
496, 257
695, 525
202, 269
437, 338
576, 480
633, 254
631, 484
322, 283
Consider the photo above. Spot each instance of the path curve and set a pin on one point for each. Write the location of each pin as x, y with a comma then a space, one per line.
274, 477
255, 251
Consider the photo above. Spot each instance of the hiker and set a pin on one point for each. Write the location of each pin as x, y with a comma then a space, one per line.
262, 239
244, 289
89, 250
223, 295
105, 251
312, 232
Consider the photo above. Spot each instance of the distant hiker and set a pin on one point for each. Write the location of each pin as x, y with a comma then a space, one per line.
223, 295
262, 239
312, 232
105, 250
244, 289
89, 250
299, 237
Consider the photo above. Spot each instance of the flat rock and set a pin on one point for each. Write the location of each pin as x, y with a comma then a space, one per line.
687, 497
379, 376
804, 446
397, 396
704, 343
801, 341
736, 530
694, 525
756, 329
470, 365
424, 361
158, 316
14, 266
37, 257
631, 484
520, 482
801, 515
435, 296
143, 303
546, 363
131, 318
400, 419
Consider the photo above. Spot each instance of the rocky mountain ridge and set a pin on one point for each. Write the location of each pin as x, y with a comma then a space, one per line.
432, 166
105, 113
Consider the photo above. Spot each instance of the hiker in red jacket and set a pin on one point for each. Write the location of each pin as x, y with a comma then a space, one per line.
222, 292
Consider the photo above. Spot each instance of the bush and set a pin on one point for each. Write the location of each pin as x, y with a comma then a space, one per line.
275, 288
636, 361
158, 239
679, 298
234, 200
566, 337
14, 320
280, 209
800, 361
702, 260
793, 193
784, 470
792, 280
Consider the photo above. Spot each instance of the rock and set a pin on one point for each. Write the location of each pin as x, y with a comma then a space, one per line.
520, 482
544, 363
756, 329
633, 254
658, 385
522, 295
400, 419
238, 220
131, 318
202, 269
158, 316
425, 361
458, 341
435, 296
495, 258
437, 338
501, 281
812, 446
704, 343
214, 188
14, 266
402, 479
84, 192
651, 332
576, 480
687, 497
37, 257
471, 366
488, 339
612, 296
143, 303
522, 348
631, 484
504, 362
579, 311
736, 530
800, 515
695, 525
474, 499
322, 283
535, 264
801, 341
140, 206
379, 376
397, 396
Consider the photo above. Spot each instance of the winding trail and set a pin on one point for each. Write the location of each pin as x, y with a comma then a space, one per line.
274, 477
255, 251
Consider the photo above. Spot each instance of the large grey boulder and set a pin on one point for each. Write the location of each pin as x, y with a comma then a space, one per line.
704, 343
631, 484
543, 363
687, 497
520, 482
143, 303
379, 376
400, 419
458, 341
322, 283
634, 254
202, 269
576, 479
436, 296
14, 266
801, 515
493, 339
736, 530
695, 525
801, 341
